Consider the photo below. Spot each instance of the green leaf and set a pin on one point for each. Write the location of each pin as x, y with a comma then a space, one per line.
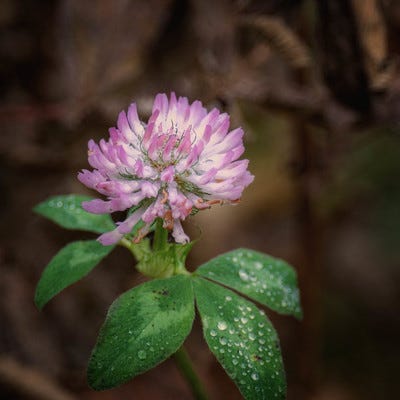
263, 278
144, 326
243, 340
70, 264
67, 211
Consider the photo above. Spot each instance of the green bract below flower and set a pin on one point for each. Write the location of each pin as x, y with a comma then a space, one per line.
184, 159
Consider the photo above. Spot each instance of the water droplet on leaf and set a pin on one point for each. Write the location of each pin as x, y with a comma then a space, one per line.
258, 265
243, 275
222, 325
254, 376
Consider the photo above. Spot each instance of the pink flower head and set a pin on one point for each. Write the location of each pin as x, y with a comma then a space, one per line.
183, 160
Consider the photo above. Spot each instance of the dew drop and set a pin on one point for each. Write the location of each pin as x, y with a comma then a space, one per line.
243, 275
222, 325
228, 298
254, 376
213, 333
142, 355
252, 336
223, 341
258, 265
244, 320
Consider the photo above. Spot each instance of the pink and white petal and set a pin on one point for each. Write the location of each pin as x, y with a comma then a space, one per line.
204, 178
194, 154
149, 189
118, 187
109, 238
134, 121
168, 174
148, 133
124, 127
178, 232
245, 179
235, 169
127, 225
161, 104
171, 115
182, 113
197, 113
230, 141
97, 160
97, 206
91, 178
209, 119
166, 155
124, 201
185, 142
155, 210
116, 136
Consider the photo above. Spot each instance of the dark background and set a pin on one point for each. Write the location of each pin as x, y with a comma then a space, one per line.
316, 86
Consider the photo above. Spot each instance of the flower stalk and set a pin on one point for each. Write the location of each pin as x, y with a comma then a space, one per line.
160, 241
185, 366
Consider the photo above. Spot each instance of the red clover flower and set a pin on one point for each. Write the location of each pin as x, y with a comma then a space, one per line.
183, 160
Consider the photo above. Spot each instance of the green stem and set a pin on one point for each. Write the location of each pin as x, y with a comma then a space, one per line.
128, 244
160, 236
186, 368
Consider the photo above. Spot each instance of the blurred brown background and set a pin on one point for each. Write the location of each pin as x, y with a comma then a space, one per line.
315, 84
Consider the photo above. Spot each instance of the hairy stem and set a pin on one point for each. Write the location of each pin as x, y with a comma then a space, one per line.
160, 236
186, 368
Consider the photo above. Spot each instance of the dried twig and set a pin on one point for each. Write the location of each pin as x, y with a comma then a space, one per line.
373, 37
282, 39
